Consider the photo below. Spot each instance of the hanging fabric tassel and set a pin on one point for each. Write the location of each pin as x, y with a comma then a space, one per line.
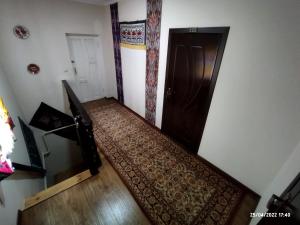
117, 53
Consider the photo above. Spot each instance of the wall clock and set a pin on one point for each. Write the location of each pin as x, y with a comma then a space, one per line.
21, 32
33, 69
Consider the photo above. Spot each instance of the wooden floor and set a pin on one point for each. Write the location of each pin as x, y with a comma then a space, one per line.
103, 200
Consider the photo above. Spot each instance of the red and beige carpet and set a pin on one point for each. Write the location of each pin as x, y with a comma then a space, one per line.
171, 185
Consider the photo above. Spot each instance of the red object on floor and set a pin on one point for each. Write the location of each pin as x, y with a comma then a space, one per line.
5, 168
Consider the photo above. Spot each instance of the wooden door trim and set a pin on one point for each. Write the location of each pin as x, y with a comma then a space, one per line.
215, 30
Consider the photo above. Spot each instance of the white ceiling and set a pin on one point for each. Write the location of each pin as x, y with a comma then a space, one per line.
96, 2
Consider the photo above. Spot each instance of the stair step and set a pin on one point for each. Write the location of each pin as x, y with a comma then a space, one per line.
55, 189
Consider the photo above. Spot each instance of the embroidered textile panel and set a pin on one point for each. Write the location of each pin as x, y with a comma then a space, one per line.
133, 34
152, 56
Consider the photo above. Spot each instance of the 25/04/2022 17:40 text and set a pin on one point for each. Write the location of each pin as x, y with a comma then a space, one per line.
266, 214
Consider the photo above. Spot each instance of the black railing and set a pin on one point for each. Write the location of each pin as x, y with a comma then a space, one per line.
84, 131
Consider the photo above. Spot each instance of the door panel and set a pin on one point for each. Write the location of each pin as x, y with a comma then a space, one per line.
191, 62
86, 61
80, 67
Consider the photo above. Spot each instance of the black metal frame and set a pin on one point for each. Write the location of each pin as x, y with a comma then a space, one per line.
18, 166
282, 205
291, 186
84, 131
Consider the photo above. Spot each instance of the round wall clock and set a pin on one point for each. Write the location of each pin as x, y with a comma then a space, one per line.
21, 32
33, 69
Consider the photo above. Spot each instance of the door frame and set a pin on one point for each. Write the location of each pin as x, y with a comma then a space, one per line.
215, 30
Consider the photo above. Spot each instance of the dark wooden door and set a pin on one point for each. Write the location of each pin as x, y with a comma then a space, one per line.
194, 58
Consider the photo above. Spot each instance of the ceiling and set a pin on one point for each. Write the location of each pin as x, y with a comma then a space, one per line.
96, 2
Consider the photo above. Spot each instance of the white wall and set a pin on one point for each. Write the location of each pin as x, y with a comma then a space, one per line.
253, 124
284, 177
12, 190
48, 21
133, 60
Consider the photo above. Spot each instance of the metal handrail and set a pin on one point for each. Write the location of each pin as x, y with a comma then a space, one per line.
47, 153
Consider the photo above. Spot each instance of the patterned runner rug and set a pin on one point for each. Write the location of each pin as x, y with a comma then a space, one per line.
171, 185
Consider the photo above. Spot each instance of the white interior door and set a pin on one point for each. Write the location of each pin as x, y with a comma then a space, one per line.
87, 61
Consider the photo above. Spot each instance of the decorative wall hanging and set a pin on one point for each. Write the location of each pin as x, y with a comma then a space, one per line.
133, 34
21, 32
33, 69
6, 141
6, 169
152, 56
117, 53
5, 116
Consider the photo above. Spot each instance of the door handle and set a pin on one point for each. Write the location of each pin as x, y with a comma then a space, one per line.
83, 81
75, 70
169, 93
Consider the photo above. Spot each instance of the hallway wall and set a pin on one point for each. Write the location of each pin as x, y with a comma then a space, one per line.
48, 21
133, 60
